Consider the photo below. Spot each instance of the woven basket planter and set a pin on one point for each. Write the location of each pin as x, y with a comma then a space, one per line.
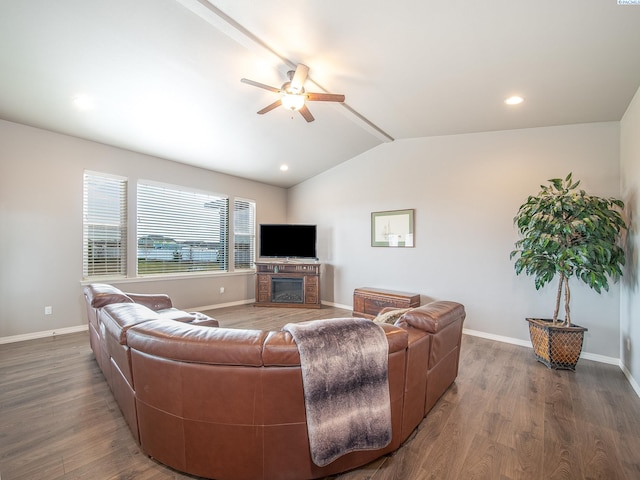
556, 346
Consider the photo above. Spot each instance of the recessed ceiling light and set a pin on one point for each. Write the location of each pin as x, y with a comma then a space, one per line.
515, 100
284, 168
83, 102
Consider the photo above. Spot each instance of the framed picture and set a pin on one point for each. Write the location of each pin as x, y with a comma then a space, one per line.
392, 229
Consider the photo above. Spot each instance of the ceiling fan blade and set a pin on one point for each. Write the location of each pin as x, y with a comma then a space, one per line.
268, 108
299, 77
324, 97
304, 111
259, 85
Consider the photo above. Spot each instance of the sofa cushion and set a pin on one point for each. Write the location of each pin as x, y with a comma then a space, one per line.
120, 317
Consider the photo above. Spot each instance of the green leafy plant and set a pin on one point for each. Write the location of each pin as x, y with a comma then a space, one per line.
568, 233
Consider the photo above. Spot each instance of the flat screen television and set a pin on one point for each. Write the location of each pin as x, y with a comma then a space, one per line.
287, 241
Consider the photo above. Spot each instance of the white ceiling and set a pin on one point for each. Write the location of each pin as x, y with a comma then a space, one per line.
164, 75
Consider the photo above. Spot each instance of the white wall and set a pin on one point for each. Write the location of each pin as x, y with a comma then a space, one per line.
465, 190
630, 186
41, 226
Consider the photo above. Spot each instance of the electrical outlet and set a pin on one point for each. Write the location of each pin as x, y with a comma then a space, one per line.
48, 310
221, 289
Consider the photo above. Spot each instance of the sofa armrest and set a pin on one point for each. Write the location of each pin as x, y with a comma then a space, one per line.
154, 301
434, 316
100, 294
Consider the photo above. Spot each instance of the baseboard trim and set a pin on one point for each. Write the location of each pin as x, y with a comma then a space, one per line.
337, 305
497, 338
220, 305
600, 358
43, 334
630, 378
526, 343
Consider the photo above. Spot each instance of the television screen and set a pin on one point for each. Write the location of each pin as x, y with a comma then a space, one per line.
288, 241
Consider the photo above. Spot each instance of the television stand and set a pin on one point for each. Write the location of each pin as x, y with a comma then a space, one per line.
287, 285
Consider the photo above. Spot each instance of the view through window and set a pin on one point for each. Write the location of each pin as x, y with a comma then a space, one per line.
179, 230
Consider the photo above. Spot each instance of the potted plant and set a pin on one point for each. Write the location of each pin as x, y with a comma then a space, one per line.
567, 233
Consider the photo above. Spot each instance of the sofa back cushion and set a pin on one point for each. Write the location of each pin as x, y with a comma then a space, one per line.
117, 318
185, 342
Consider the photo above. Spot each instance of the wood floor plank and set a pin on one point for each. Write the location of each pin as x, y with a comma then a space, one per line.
486, 459
627, 447
506, 417
560, 433
598, 453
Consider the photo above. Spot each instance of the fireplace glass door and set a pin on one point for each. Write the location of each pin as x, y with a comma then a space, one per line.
287, 290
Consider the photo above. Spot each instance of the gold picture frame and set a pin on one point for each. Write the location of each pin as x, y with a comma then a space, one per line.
393, 228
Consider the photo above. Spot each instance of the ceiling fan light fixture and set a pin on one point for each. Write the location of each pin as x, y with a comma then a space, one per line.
293, 95
292, 101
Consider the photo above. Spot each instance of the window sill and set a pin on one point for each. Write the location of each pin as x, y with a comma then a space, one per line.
165, 278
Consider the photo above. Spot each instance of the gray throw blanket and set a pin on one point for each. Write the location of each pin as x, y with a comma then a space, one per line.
346, 389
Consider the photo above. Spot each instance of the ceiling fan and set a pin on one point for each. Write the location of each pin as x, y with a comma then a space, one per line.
293, 94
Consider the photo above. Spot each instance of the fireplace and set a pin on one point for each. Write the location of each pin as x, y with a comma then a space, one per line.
287, 290
287, 284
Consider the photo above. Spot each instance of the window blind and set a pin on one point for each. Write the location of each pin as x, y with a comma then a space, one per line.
104, 242
244, 233
180, 230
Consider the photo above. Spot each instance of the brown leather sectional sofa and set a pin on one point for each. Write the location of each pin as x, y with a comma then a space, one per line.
228, 403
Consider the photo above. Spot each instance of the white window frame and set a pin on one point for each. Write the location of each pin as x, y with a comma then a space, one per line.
244, 234
104, 226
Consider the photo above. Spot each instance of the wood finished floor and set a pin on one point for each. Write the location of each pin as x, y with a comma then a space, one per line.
506, 416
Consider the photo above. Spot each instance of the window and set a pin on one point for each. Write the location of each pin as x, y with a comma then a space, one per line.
104, 225
180, 230
244, 233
